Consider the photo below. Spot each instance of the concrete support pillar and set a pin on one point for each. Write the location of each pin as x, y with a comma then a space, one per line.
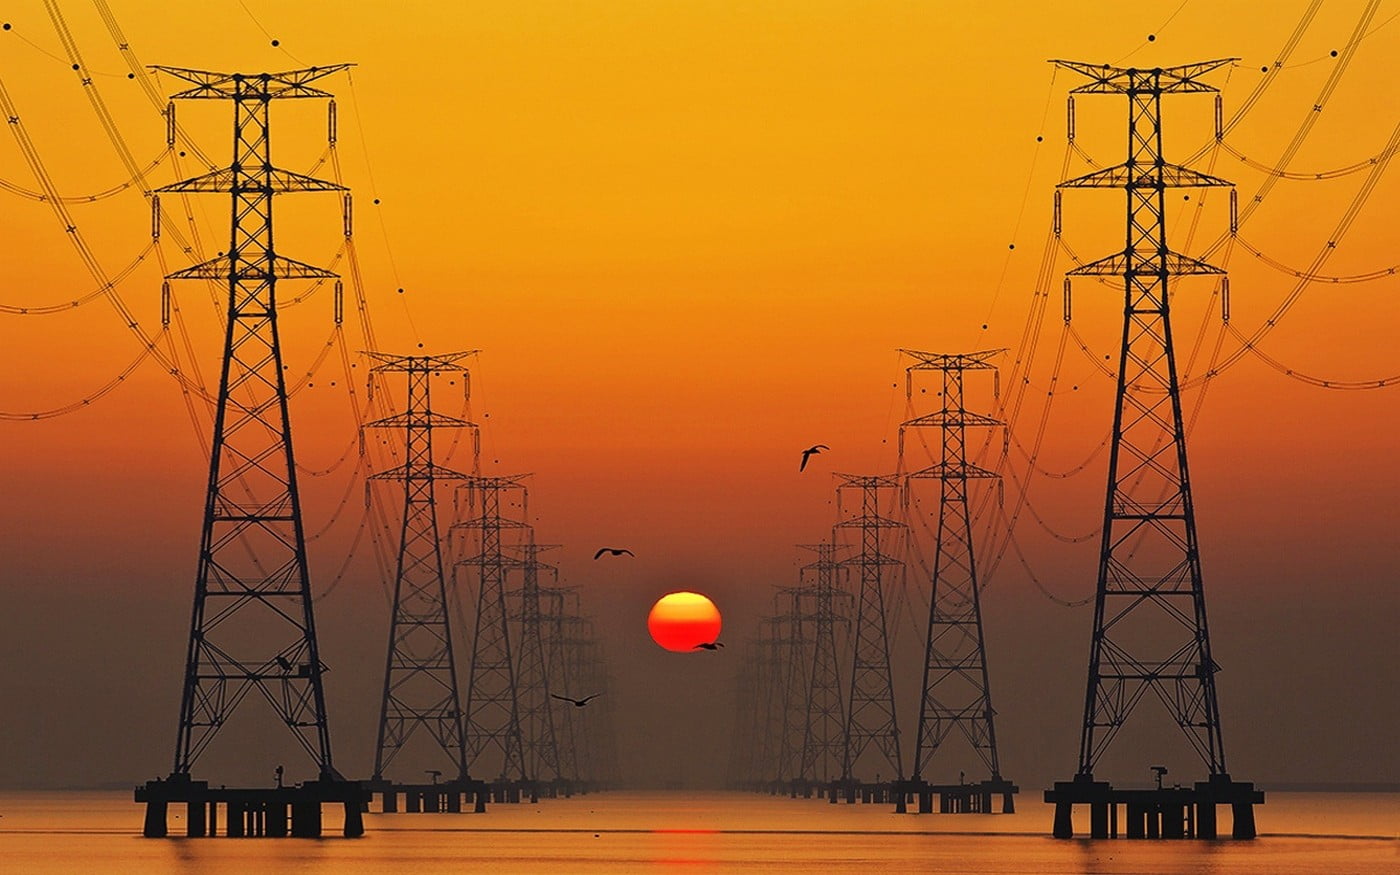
155, 827
236, 820
1244, 820
354, 821
277, 819
1098, 820
1064, 820
1205, 820
194, 820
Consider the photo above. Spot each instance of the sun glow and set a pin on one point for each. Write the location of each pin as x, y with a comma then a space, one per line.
682, 621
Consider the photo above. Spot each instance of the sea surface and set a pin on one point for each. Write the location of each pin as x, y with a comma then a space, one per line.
618, 831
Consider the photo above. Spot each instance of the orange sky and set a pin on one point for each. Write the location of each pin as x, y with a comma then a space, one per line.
688, 238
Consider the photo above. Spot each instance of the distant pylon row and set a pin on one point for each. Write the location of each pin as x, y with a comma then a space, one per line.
529, 650
803, 735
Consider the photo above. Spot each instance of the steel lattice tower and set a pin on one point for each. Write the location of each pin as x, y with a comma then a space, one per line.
825, 725
252, 626
420, 670
540, 744
956, 690
870, 715
560, 671
795, 681
1149, 610
493, 708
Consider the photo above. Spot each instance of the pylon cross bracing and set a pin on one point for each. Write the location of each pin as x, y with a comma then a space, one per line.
956, 688
1150, 632
420, 672
252, 627
871, 715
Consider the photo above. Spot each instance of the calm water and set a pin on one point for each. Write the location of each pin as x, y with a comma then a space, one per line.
711, 832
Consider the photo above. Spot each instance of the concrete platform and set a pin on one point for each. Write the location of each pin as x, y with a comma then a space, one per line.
272, 812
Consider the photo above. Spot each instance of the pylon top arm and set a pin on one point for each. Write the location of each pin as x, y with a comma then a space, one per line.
277, 182
420, 419
1108, 79
404, 363
867, 480
210, 84
955, 361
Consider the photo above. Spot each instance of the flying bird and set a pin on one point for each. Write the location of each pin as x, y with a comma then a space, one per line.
809, 453
712, 645
614, 551
578, 703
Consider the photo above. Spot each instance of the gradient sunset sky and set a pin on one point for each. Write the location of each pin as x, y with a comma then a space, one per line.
688, 238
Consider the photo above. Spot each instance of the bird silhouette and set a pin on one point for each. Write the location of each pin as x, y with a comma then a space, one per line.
282, 662
710, 645
614, 551
809, 453
578, 703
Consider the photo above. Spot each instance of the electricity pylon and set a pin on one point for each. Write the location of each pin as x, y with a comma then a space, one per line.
956, 690
420, 670
825, 724
555, 621
252, 626
493, 707
1149, 609
870, 714
537, 730
796, 663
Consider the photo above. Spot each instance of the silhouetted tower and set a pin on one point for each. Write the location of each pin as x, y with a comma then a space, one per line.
870, 715
252, 626
493, 709
824, 732
599, 729
420, 670
541, 748
1149, 612
795, 616
577, 632
553, 624
956, 690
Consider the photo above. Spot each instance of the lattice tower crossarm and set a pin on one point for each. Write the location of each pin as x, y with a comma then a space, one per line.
493, 707
1150, 630
956, 692
252, 626
420, 671
871, 714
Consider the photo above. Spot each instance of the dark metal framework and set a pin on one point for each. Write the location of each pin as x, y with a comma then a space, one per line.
824, 729
252, 626
539, 739
556, 622
794, 661
420, 670
870, 712
956, 689
1149, 611
493, 707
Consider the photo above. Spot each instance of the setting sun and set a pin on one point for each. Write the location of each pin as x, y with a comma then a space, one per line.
683, 621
